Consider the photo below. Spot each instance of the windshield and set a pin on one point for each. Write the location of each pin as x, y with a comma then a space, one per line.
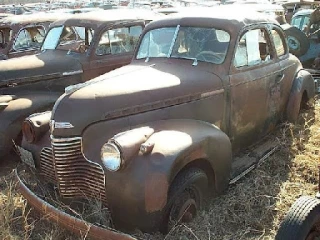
72, 38
199, 44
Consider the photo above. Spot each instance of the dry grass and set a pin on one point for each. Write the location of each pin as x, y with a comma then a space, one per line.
250, 209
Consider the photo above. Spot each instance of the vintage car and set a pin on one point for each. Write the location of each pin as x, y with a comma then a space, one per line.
23, 34
306, 21
152, 139
76, 49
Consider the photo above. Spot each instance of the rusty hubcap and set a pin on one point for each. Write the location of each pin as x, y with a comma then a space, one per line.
188, 211
185, 207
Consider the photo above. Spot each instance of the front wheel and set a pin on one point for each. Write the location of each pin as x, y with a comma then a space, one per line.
302, 221
185, 197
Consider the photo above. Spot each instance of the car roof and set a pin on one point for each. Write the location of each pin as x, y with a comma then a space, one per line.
303, 12
30, 18
97, 18
224, 17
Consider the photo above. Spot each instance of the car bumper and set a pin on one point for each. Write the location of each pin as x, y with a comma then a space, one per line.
71, 223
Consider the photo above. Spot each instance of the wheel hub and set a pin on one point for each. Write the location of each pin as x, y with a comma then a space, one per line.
293, 43
188, 211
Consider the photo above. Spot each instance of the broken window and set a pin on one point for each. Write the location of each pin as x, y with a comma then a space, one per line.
120, 40
253, 48
31, 37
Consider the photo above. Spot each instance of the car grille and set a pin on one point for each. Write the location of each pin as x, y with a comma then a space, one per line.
316, 77
47, 164
74, 175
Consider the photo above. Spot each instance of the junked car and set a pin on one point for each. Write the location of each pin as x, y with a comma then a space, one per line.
150, 140
307, 21
76, 48
23, 34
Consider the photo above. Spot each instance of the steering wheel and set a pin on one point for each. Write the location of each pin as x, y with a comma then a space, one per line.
209, 56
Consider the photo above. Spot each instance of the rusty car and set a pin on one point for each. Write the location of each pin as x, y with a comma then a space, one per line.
307, 47
152, 139
23, 34
76, 48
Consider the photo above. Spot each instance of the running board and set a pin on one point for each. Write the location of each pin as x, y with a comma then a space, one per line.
253, 160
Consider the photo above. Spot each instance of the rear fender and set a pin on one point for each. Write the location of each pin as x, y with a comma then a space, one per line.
303, 82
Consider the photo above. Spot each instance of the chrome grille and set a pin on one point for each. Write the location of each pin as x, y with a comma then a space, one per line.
76, 176
47, 164
316, 77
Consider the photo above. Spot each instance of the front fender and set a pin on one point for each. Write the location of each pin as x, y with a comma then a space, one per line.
12, 116
145, 180
302, 83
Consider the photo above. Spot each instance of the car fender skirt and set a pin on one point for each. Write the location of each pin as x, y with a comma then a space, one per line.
73, 224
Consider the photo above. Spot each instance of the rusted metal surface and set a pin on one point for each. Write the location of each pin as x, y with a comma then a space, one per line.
50, 71
199, 113
73, 224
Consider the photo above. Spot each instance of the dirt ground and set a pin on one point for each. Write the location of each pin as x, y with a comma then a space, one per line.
250, 209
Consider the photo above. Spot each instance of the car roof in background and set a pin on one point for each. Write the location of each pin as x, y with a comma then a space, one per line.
303, 12
230, 13
112, 15
31, 18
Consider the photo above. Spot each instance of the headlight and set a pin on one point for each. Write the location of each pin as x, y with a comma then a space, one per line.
111, 156
28, 131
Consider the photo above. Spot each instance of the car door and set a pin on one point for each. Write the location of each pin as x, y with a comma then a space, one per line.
280, 89
255, 70
114, 48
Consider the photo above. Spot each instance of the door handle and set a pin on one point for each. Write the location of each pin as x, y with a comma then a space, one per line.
279, 77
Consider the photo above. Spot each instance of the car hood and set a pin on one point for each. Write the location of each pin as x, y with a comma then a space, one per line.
45, 65
130, 90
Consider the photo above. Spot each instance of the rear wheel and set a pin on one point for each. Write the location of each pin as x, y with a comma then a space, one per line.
185, 197
302, 221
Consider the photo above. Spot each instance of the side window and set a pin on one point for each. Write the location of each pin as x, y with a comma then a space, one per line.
120, 40
279, 43
305, 23
29, 38
296, 22
5, 37
253, 48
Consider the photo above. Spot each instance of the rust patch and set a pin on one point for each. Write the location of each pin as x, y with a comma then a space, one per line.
156, 190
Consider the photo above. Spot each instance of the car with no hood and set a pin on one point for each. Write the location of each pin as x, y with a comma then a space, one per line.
76, 48
151, 139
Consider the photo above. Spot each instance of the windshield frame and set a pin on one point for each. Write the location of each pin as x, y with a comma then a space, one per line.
174, 39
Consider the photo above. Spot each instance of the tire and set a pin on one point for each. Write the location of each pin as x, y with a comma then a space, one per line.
185, 197
302, 221
298, 42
